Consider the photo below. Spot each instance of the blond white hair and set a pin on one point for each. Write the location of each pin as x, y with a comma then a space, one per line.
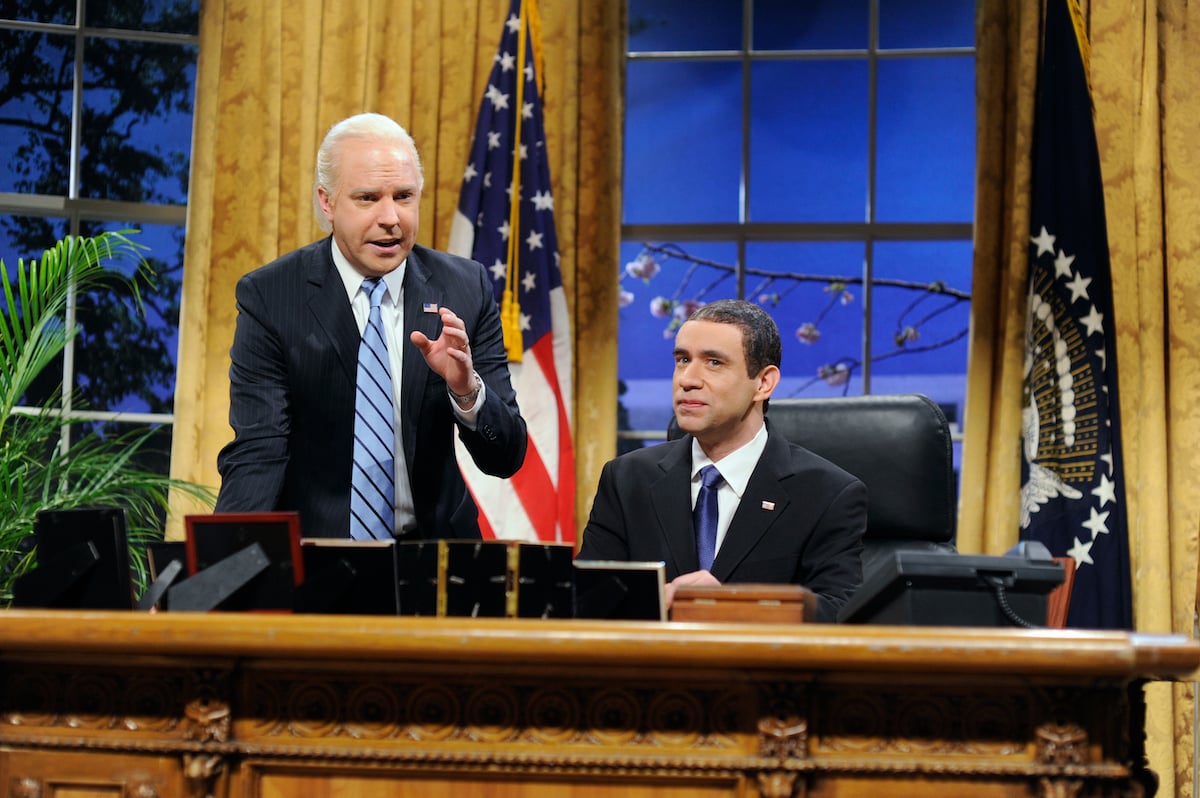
369, 127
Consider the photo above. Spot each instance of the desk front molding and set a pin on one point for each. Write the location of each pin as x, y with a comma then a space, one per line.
275, 705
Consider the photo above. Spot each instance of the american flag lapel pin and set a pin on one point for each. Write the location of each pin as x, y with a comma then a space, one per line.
430, 307
768, 506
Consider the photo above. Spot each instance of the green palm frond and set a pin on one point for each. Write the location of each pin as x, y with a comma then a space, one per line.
34, 328
98, 469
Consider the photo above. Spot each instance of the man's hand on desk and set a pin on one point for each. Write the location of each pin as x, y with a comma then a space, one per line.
694, 578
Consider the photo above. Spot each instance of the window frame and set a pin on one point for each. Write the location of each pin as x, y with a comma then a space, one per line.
74, 209
745, 231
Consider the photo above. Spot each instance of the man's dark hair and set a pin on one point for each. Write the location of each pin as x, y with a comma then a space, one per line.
760, 336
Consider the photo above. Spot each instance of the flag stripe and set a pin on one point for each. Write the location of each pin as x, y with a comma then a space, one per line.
537, 503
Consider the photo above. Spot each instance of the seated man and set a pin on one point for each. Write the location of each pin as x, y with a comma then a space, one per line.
765, 510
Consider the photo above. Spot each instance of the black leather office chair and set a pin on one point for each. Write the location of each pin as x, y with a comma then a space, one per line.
899, 446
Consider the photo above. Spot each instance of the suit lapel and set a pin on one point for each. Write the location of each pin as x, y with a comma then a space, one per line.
763, 503
328, 304
674, 488
419, 290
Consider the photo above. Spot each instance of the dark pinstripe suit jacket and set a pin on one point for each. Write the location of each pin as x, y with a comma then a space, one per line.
294, 359
800, 521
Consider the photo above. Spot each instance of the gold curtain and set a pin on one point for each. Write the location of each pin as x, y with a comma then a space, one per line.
1146, 92
274, 75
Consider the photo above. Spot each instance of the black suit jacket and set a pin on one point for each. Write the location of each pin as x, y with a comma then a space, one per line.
800, 521
293, 364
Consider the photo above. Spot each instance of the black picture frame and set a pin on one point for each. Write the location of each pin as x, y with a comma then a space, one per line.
620, 590
349, 577
83, 561
216, 537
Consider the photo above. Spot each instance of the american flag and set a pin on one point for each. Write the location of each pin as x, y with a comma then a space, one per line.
538, 502
1073, 489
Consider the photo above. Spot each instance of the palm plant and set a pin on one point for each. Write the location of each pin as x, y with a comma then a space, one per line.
37, 470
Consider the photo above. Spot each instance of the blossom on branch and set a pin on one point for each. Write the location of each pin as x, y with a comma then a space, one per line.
644, 267
808, 333
660, 307
684, 310
835, 374
838, 287
907, 335
784, 291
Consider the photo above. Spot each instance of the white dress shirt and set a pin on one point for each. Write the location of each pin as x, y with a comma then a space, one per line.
391, 311
736, 468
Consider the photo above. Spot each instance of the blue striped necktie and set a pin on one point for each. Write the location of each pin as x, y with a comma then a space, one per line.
704, 516
373, 490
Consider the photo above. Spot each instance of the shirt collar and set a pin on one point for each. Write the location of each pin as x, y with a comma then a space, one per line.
737, 466
352, 280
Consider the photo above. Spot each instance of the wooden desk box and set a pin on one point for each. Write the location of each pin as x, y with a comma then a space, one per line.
745, 603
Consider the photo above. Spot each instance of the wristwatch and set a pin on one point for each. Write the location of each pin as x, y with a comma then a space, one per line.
470, 396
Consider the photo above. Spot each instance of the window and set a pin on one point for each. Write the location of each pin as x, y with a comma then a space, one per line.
817, 158
95, 131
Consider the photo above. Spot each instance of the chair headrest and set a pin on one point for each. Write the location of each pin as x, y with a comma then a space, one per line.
898, 445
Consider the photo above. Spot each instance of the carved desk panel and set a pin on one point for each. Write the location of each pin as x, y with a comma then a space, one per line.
286, 706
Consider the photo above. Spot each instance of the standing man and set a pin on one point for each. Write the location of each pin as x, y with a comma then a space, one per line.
778, 513
358, 357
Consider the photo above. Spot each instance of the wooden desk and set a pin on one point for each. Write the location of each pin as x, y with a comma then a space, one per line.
106, 704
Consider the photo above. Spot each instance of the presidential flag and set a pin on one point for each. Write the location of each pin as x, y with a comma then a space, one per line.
1073, 491
505, 220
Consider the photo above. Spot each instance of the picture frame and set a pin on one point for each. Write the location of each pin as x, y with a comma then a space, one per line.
349, 577
620, 590
83, 561
214, 540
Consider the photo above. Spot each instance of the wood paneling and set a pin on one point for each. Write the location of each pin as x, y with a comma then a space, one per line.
326, 706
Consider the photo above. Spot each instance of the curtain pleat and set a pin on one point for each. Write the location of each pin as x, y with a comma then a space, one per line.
1146, 93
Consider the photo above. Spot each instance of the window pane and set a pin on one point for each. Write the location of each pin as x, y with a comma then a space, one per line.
926, 151
651, 311
810, 158
902, 26
55, 11
167, 16
819, 319
137, 121
125, 357
811, 25
919, 338
27, 237
808, 141
35, 112
681, 149
684, 25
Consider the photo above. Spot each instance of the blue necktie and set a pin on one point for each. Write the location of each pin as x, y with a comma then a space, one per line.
373, 491
704, 517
